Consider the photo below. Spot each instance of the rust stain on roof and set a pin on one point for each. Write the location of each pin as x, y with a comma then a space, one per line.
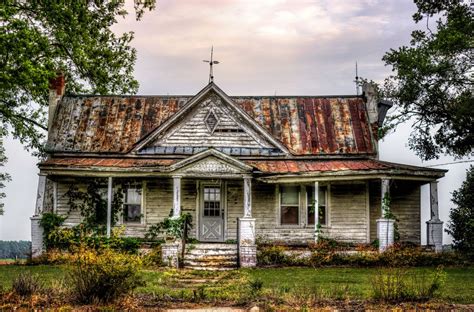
300, 166
86, 162
305, 125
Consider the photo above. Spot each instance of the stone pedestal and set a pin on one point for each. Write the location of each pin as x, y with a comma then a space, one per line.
169, 254
37, 246
385, 233
246, 240
248, 256
434, 234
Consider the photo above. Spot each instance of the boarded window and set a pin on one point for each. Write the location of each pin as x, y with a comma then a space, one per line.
212, 201
323, 190
132, 205
289, 205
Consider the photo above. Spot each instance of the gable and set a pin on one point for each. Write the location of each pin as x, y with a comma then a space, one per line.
210, 119
211, 123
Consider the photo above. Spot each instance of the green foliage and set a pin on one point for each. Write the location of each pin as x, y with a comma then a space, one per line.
103, 276
272, 255
177, 228
26, 285
329, 253
92, 203
50, 222
4, 177
398, 284
40, 38
433, 79
461, 226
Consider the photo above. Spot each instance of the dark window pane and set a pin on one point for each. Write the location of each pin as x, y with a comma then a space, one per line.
132, 213
289, 215
310, 215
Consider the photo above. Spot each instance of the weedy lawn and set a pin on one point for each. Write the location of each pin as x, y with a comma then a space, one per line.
293, 285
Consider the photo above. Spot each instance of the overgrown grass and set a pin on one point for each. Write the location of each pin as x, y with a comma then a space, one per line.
296, 284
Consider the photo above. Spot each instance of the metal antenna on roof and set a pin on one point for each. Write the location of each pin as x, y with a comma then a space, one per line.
211, 62
357, 80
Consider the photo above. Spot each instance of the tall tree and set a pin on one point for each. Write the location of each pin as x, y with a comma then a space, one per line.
432, 82
40, 38
461, 225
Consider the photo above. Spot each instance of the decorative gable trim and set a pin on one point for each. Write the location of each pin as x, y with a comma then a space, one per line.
210, 161
196, 100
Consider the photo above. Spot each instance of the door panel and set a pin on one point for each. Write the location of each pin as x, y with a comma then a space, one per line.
212, 214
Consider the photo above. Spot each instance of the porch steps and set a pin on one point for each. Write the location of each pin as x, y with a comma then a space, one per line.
211, 256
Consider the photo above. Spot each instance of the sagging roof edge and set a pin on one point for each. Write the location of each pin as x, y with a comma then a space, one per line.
311, 176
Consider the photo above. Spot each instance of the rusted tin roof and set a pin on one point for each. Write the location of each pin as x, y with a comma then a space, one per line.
273, 167
305, 125
299, 166
87, 162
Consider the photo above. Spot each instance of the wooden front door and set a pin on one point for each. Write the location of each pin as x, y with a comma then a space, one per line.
211, 227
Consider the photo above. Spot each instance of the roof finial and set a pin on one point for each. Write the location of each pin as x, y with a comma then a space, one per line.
211, 62
357, 80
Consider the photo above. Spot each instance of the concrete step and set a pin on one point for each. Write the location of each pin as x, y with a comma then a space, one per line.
208, 252
200, 264
213, 246
211, 258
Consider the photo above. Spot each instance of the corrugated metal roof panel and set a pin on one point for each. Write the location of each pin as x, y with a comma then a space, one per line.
305, 125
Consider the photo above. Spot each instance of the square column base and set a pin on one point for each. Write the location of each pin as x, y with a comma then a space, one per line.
169, 254
37, 247
434, 234
246, 240
385, 233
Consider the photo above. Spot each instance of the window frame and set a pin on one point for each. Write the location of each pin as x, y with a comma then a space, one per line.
310, 189
137, 186
298, 206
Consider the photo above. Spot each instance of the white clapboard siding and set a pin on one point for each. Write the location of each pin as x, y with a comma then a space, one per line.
194, 132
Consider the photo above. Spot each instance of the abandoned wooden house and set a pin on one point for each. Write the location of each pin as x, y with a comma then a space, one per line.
274, 168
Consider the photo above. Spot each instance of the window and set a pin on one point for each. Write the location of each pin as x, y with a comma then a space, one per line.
212, 201
289, 205
322, 204
132, 205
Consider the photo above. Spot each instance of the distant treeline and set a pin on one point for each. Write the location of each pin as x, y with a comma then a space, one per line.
14, 249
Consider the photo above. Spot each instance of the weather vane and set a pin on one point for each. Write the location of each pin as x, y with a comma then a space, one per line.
211, 62
357, 80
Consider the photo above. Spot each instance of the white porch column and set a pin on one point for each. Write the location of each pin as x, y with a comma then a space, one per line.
316, 211
434, 226
385, 226
176, 196
37, 247
109, 206
246, 238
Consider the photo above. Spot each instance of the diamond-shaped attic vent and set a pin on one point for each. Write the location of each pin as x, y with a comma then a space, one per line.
211, 121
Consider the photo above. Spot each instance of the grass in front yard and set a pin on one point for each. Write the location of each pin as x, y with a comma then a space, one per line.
260, 284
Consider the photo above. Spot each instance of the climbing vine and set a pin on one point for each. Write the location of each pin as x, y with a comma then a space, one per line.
92, 203
388, 214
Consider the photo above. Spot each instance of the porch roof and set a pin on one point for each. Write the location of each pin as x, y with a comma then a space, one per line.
269, 168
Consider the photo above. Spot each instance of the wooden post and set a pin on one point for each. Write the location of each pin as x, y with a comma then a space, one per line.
55, 197
247, 197
176, 196
385, 192
434, 200
109, 206
40, 195
316, 211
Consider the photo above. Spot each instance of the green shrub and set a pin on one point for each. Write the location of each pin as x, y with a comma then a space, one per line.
271, 255
400, 284
103, 275
26, 285
50, 222
153, 258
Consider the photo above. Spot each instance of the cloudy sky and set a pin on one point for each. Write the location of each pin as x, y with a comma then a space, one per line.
266, 47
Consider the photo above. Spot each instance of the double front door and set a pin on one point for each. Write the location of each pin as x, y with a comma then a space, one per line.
212, 210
